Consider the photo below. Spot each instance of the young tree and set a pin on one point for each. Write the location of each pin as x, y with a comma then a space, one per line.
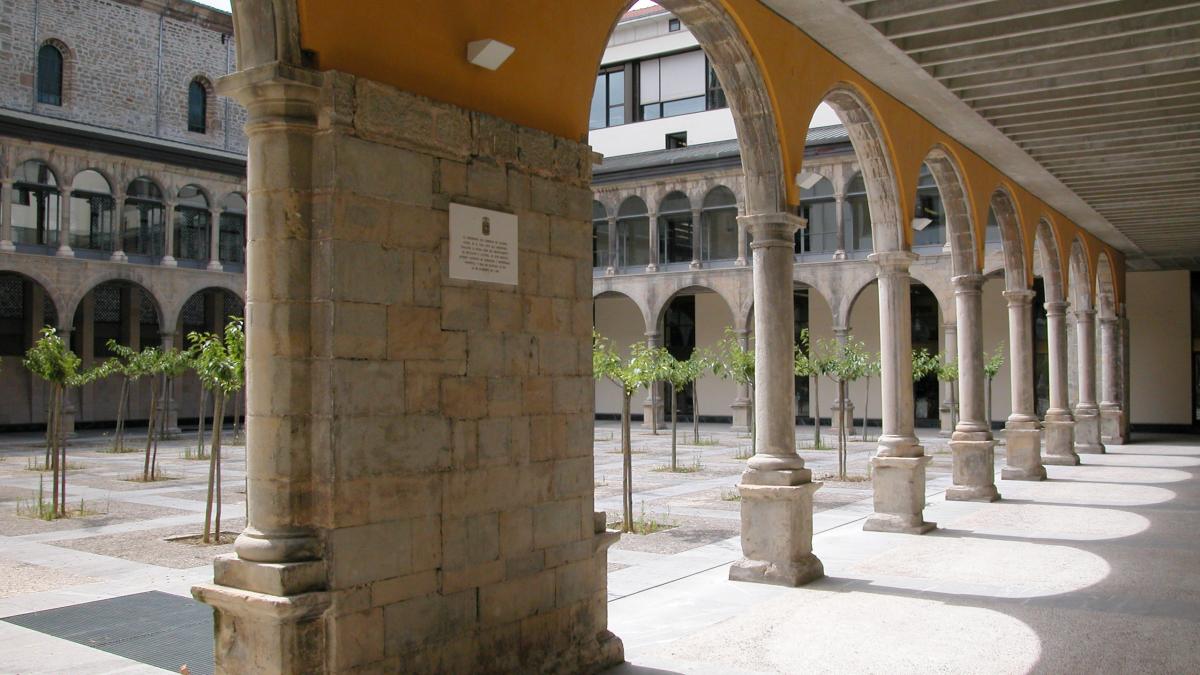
699, 362
219, 362
809, 364
947, 371
734, 362
131, 366
871, 370
679, 374
163, 366
643, 367
847, 361
991, 368
50, 359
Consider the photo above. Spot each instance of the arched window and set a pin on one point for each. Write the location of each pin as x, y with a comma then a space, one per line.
191, 224
91, 212
992, 233
599, 235
232, 244
718, 221
144, 217
633, 233
197, 107
675, 229
857, 215
818, 206
929, 205
35, 204
49, 75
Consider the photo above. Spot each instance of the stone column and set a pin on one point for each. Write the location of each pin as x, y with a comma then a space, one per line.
653, 266
971, 445
214, 240
1022, 433
1087, 413
776, 490
697, 239
841, 334
1112, 418
1059, 425
652, 407
6, 237
948, 403
118, 253
612, 247
840, 219
742, 243
1123, 323
741, 402
64, 222
168, 259
899, 463
270, 596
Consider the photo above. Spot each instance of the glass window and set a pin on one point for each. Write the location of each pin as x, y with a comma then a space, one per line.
92, 209
675, 229
608, 99
232, 243
35, 204
144, 216
719, 225
672, 85
197, 107
819, 207
715, 95
191, 225
599, 235
633, 233
929, 205
49, 75
857, 215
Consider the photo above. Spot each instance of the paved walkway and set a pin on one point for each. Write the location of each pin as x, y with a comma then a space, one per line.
1096, 570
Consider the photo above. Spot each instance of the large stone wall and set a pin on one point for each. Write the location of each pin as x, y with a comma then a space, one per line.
453, 457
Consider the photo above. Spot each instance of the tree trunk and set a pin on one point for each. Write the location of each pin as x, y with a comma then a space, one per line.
150, 427
119, 432
236, 407
753, 437
208, 503
695, 414
55, 414
626, 468
200, 425
49, 427
654, 408
866, 408
842, 459
987, 403
62, 461
816, 382
215, 449
162, 427
674, 427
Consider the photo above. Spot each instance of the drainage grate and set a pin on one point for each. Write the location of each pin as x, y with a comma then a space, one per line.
155, 628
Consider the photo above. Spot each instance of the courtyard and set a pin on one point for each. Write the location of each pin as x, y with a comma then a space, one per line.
1047, 580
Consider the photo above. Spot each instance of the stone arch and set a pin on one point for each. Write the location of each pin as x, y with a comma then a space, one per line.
180, 312
1047, 247
105, 173
941, 288
643, 307
1079, 277
960, 230
55, 171
1106, 299
659, 309
1011, 240
37, 278
71, 303
888, 224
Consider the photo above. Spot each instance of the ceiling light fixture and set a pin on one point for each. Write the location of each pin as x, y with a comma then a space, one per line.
490, 54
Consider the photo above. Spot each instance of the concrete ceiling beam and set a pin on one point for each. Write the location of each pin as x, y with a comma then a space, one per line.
1131, 135
1058, 87
1094, 130
1076, 121
955, 18
1122, 102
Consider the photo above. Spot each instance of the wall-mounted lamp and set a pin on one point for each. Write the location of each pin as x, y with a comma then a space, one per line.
919, 224
806, 180
490, 54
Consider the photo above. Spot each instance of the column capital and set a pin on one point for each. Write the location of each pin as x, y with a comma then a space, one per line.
772, 229
274, 93
841, 331
1108, 321
1057, 308
1018, 298
968, 283
950, 327
1085, 314
893, 262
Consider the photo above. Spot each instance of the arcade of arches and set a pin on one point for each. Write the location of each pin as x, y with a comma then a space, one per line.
420, 447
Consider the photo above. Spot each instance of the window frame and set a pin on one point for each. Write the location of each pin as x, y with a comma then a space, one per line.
197, 120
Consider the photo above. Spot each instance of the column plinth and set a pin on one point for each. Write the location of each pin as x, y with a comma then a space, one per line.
1112, 418
776, 489
1058, 428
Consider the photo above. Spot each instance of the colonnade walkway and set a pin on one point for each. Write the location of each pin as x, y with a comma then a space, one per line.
1095, 570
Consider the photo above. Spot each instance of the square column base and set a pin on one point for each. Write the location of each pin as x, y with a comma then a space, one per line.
1112, 426
777, 529
899, 495
261, 633
974, 471
1087, 432
1060, 443
1022, 457
741, 416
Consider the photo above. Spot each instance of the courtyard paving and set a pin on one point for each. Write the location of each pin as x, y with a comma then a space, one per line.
1094, 570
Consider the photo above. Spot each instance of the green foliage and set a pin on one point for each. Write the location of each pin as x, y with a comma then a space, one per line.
219, 361
807, 362
129, 363
994, 362
732, 361
924, 363
679, 374
947, 371
646, 364
845, 361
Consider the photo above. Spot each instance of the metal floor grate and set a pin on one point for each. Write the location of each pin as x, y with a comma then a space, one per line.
155, 628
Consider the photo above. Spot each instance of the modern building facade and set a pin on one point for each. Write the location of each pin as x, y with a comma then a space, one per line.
123, 190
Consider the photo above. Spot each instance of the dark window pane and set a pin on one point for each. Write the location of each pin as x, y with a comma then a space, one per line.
616, 87
683, 106
596, 118
49, 75
197, 108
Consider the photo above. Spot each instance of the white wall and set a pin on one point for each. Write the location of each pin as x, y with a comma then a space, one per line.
618, 319
702, 127
712, 317
1158, 306
995, 331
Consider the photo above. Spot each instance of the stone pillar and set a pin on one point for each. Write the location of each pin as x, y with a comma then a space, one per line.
741, 402
118, 253
1087, 413
697, 239
1123, 322
1059, 425
1022, 433
6, 237
972, 446
1112, 417
214, 240
899, 463
947, 407
64, 222
168, 259
840, 201
742, 242
777, 491
841, 334
269, 597
612, 247
652, 407
653, 266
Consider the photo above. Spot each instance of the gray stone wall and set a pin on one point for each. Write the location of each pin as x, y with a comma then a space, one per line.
127, 64
453, 468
